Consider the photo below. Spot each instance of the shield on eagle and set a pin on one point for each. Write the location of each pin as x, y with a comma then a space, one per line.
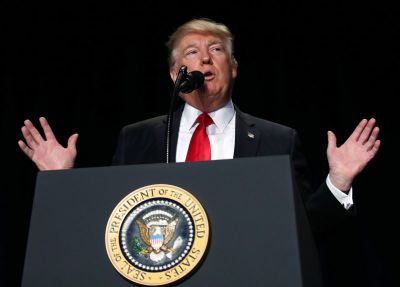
156, 237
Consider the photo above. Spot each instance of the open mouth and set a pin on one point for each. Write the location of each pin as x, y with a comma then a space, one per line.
208, 76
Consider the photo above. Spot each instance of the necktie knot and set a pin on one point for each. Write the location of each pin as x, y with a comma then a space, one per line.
204, 120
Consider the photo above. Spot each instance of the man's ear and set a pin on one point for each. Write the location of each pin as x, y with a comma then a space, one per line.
234, 64
173, 73
234, 71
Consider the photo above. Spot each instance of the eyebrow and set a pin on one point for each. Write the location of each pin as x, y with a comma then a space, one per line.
189, 46
215, 42
210, 43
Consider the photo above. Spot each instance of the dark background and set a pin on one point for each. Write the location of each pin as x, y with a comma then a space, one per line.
92, 67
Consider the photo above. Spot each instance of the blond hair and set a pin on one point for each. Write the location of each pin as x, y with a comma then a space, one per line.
201, 25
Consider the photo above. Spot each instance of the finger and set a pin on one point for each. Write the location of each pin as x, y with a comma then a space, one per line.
365, 134
331, 141
375, 148
372, 139
373, 136
25, 149
28, 137
48, 132
34, 132
72, 141
358, 130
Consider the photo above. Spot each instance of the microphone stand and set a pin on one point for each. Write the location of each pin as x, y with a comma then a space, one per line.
175, 94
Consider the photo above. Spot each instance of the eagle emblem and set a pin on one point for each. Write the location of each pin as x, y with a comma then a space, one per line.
157, 229
151, 236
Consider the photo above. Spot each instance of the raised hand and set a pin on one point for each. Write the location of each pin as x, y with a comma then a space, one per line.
348, 160
47, 153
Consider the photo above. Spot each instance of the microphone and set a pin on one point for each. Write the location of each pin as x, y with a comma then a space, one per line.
191, 81
185, 83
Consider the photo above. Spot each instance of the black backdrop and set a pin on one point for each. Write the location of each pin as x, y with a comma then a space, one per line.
92, 67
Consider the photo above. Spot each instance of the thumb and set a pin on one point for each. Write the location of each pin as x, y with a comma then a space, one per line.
331, 141
72, 141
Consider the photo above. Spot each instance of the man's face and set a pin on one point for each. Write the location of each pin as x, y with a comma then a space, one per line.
208, 54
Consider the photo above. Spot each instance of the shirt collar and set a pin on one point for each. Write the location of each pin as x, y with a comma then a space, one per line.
221, 117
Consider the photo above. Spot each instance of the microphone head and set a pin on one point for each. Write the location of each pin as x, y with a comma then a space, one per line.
192, 81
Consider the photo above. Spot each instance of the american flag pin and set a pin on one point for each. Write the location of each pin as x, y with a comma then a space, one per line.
250, 135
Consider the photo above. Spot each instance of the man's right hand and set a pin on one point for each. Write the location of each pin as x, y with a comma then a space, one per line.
47, 153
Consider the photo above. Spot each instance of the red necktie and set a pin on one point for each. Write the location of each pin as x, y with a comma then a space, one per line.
199, 147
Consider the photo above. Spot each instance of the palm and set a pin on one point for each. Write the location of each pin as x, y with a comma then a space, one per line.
348, 160
47, 153
51, 154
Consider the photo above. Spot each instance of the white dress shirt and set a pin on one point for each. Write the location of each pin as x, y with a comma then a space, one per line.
222, 139
221, 133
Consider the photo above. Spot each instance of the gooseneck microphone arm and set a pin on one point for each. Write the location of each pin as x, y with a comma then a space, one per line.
185, 83
174, 97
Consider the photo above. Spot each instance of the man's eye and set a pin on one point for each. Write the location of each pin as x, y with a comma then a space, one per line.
217, 49
191, 52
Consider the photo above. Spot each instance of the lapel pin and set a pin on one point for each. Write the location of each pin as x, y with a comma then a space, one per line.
250, 135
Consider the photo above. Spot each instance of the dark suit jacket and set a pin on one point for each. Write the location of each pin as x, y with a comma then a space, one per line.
145, 142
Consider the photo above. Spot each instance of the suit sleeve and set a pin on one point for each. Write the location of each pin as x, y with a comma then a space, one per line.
119, 155
324, 211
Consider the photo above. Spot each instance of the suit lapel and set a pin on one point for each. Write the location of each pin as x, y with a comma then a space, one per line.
175, 131
247, 136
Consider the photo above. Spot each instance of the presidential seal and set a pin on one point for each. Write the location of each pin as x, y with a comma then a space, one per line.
157, 235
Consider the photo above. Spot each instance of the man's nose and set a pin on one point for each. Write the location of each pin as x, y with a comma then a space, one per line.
206, 59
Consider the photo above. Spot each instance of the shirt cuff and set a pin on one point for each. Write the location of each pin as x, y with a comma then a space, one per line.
345, 199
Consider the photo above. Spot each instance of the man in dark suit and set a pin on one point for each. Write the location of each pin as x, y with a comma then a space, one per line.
207, 46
